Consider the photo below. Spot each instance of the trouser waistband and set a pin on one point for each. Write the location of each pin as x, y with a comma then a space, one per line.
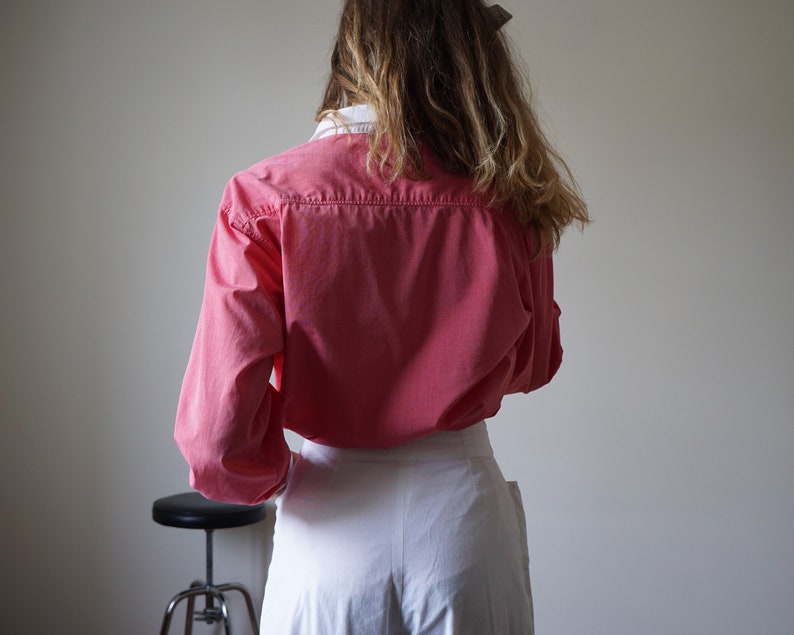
438, 446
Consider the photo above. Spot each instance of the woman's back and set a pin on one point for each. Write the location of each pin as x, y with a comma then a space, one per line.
407, 307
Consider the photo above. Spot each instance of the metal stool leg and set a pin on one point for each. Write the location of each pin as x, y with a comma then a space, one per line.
191, 603
169, 612
210, 614
233, 586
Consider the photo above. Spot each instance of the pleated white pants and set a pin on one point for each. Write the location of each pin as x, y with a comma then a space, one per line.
423, 539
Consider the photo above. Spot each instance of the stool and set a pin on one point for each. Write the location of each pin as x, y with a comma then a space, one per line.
191, 510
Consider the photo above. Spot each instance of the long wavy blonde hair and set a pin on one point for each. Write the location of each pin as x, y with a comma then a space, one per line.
440, 72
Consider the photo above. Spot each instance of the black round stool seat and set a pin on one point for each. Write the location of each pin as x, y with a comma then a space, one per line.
192, 511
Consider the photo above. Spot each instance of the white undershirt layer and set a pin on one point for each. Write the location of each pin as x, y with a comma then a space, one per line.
359, 118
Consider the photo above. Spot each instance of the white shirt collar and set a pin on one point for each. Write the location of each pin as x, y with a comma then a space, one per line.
359, 118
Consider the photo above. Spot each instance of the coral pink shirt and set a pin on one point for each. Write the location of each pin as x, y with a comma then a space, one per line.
387, 311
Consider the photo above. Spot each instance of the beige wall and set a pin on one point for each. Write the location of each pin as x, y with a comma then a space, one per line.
657, 469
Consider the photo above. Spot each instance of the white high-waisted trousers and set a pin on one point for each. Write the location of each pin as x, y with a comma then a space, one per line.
425, 538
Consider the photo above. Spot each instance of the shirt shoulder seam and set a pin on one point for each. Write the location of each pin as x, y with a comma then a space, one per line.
388, 202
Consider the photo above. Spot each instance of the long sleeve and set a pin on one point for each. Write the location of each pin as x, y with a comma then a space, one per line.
538, 353
228, 424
